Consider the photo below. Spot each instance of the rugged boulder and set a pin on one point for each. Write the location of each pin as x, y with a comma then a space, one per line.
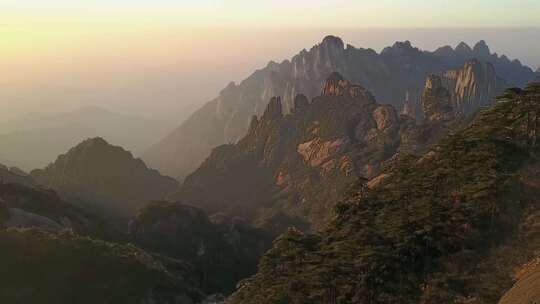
526, 290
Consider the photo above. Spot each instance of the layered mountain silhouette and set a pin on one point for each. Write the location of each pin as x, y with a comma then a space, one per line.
21, 140
104, 178
452, 225
394, 75
290, 170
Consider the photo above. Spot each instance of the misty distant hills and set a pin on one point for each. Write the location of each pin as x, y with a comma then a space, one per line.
34, 140
394, 75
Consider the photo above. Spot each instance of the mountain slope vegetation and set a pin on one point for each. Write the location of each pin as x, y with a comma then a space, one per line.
448, 227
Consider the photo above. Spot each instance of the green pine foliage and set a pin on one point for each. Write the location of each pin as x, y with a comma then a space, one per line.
41, 267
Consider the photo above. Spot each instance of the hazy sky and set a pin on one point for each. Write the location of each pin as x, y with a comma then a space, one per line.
150, 57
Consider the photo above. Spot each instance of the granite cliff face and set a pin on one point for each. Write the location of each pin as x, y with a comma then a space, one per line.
290, 169
391, 75
474, 85
104, 178
460, 92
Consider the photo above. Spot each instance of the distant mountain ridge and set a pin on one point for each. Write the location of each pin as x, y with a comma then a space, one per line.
289, 169
397, 73
104, 178
21, 140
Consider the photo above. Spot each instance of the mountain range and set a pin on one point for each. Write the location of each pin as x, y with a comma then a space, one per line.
393, 76
341, 176
451, 225
22, 140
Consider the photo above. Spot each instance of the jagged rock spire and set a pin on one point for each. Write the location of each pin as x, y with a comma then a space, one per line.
407, 108
436, 100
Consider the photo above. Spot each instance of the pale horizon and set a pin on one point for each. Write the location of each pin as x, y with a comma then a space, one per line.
154, 58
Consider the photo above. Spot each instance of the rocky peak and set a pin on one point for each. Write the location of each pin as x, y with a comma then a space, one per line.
399, 47
336, 85
333, 42
436, 100
481, 49
463, 48
94, 142
472, 86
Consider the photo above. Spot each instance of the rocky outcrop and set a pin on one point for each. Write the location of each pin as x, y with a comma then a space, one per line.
105, 179
398, 70
526, 290
462, 91
436, 101
288, 168
474, 85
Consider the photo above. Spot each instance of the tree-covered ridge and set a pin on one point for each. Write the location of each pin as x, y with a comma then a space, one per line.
41, 267
431, 230
219, 250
